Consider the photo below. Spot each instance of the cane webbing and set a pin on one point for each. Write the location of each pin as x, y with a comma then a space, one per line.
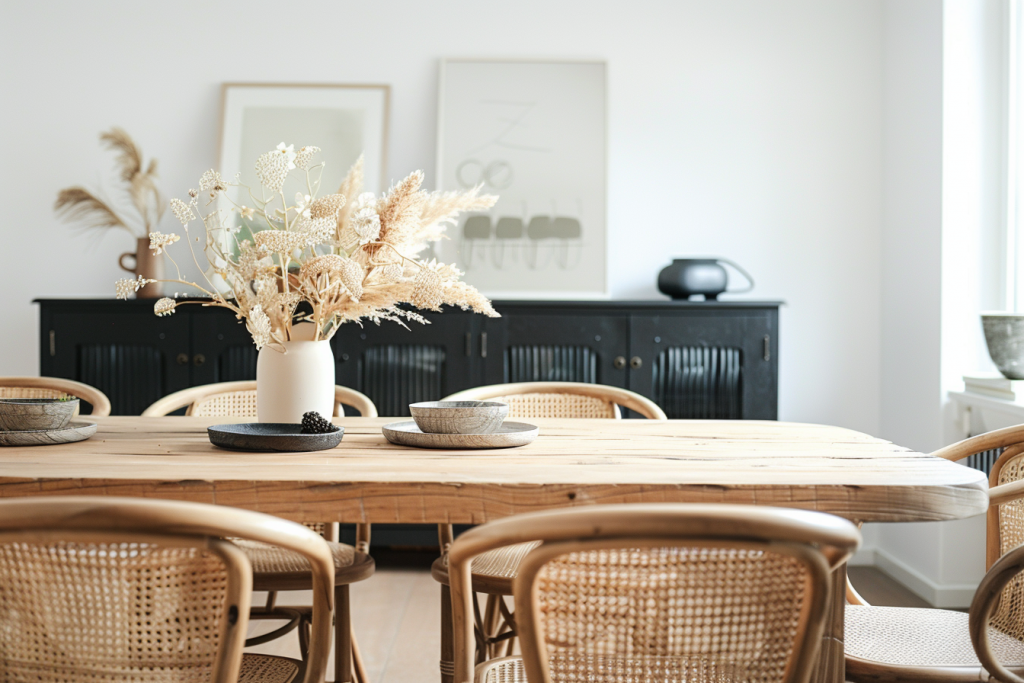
504, 671
671, 614
1009, 616
72, 612
904, 636
32, 392
270, 559
228, 404
267, 669
557, 405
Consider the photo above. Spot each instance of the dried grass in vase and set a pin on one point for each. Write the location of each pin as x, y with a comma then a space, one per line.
348, 256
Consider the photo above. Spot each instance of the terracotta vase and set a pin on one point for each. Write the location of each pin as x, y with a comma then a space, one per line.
297, 381
149, 266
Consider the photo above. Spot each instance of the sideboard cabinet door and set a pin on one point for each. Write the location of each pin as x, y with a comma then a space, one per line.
396, 366
134, 359
222, 348
707, 367
553, 346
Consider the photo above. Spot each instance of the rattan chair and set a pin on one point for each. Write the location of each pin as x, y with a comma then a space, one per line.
562, 399
123, 589
904, 644
239, 399
494, 571
55, 387
658, 592
276, 569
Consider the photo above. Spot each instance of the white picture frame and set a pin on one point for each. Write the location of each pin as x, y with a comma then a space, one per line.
344, 120
535, 134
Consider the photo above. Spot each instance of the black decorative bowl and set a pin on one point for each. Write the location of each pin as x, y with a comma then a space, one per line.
256, 436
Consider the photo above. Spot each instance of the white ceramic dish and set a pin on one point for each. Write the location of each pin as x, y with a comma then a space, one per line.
459, 417
509, 435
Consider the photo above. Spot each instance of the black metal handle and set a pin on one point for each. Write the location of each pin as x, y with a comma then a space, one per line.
483, 345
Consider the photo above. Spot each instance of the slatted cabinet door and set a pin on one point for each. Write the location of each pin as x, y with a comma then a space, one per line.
222, 348
133, 358
396, 366
707, 367
551, 345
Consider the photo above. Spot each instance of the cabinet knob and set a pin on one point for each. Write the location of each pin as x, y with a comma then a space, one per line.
636, 362
182, 359
198, 360
619, 362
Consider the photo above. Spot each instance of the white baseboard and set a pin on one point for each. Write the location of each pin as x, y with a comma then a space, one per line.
937, 595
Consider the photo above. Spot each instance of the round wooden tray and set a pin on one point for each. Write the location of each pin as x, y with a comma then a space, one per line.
509, 435
77, 430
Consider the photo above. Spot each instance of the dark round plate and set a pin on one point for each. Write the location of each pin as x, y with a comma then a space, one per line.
256, 436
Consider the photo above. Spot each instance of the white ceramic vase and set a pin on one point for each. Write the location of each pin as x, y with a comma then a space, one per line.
297, 381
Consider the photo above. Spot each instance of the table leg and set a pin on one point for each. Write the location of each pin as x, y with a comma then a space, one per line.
447, 640
831, 667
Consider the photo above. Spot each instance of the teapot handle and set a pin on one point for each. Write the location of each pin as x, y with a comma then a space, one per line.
741, 271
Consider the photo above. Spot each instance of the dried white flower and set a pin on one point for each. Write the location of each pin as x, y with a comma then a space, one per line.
211, 180
158, 241
126, 286
302, 204
304, 156
272, 168
164, 306
352, 275
279, 241
427, 291
366, 224
182, 211
247, 212
391, 273
258, 325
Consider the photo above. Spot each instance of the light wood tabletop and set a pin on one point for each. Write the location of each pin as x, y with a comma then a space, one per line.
572, 462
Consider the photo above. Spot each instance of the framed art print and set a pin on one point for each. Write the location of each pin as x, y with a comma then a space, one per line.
344, 121
534, 133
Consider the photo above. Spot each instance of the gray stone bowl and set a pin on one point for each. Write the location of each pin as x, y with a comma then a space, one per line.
459, 417
270, 436
24, 414
1004, 334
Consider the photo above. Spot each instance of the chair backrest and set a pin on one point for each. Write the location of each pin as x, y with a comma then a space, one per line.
661, 592
562, 399
55, 387
238, 399
96, 588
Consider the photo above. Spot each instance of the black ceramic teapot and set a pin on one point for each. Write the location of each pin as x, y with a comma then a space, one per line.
686, 277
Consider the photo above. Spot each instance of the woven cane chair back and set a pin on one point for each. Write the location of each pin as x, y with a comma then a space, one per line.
238, 399
119, 609
662, 592
1006, 532
55, 387
119, 589
562, 399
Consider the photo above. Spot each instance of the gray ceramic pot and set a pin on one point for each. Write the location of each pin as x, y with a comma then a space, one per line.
1004, 334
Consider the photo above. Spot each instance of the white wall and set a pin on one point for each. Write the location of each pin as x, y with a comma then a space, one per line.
745, 129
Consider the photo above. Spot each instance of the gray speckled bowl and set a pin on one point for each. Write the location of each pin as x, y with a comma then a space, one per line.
265, 436
24, 414
459, 417
1004, 334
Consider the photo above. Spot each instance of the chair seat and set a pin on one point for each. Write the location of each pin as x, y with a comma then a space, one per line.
493, 571
268, 669
277, 569
888, 643
504, 670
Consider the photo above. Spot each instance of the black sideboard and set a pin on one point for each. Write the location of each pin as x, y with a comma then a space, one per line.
702, 360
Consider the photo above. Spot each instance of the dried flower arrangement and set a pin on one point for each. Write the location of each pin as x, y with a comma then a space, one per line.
80, 204
349, 255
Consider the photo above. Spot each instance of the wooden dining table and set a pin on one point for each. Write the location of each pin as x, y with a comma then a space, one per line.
572, 462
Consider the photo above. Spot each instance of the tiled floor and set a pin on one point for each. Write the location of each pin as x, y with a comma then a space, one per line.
396, 613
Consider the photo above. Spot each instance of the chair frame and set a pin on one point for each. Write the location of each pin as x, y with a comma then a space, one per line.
101, 518
99, 401
187, 397
1000, 570
614, 395
656, 524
